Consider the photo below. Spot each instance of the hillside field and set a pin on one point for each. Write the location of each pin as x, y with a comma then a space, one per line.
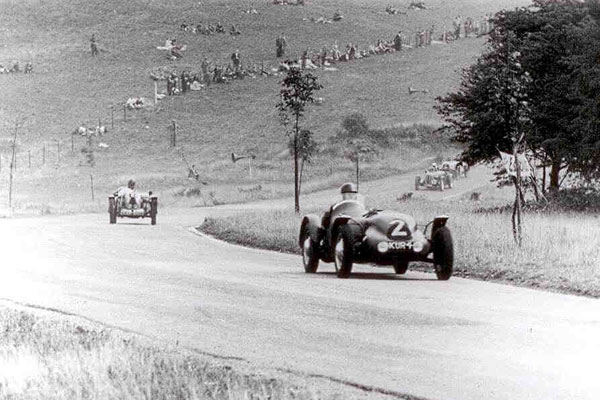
69, 88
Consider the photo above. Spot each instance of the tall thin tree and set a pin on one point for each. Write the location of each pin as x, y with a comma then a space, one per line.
297, 91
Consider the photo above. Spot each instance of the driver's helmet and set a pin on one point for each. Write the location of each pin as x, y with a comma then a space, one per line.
131, 184
349, 191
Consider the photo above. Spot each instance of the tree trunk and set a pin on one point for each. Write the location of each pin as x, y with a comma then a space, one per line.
516, 217
554, 176
301, 172
296, 174
357, 171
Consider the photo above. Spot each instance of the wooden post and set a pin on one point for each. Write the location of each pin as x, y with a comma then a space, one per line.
174, 134
357, 174
57, 151
92, 185
44, 154
29, 157
72, 142
112, 118
12, 166
155, 93
124, 112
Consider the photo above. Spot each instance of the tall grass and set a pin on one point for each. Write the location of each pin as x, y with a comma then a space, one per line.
49, 357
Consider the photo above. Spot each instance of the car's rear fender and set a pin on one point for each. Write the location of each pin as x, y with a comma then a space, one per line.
311, 224
438, 222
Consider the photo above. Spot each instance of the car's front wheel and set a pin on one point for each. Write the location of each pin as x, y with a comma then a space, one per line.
112, 210
344, 250
443, 253
310, 256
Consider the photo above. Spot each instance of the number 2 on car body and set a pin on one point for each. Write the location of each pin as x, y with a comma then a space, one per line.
398, 229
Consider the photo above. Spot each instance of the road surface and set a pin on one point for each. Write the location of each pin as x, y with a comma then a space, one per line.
410, 334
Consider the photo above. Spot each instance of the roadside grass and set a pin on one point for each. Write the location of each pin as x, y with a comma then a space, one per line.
69, 88
45, 356
560, 252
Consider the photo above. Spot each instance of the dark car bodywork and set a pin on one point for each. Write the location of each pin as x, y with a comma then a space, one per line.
382, 237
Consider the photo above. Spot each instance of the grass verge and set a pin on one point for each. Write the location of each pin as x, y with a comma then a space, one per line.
43, 356
560, 252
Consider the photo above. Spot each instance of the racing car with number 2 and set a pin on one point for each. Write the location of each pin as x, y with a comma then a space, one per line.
350, 234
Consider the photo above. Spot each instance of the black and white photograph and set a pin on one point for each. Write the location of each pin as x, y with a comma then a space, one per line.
299, 199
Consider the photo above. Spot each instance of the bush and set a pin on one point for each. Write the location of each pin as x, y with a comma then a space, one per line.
574, 200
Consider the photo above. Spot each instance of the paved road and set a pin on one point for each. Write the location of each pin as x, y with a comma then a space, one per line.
459, 339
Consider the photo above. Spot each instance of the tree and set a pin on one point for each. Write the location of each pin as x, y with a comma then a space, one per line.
355, 126
307, 147
358, 141
525, 83
297, 91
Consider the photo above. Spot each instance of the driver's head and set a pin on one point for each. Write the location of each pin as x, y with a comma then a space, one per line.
131, 184
349, 191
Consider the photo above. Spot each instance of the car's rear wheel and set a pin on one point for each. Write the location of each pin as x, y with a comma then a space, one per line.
310, 256
112, 210
153, 210
443, 253
344, 250
400, 267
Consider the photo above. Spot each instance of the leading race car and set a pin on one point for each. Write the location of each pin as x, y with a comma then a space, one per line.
132, 205
350, 234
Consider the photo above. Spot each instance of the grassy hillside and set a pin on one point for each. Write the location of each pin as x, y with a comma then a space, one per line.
69, 88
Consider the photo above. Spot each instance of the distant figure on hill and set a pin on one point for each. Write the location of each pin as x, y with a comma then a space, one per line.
16, 67
280, 44
235, 59
398, 41
234, 31
457, 24
28, 67
93, 46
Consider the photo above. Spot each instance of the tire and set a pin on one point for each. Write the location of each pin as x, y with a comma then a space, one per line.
112, 210
449, 183
417, 182
400, 267
344, 250
443, 253
310, 256
442, 185
153, 210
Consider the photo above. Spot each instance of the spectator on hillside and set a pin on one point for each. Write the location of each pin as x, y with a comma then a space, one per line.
235, 59
398, 41
280, 44
93, 46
